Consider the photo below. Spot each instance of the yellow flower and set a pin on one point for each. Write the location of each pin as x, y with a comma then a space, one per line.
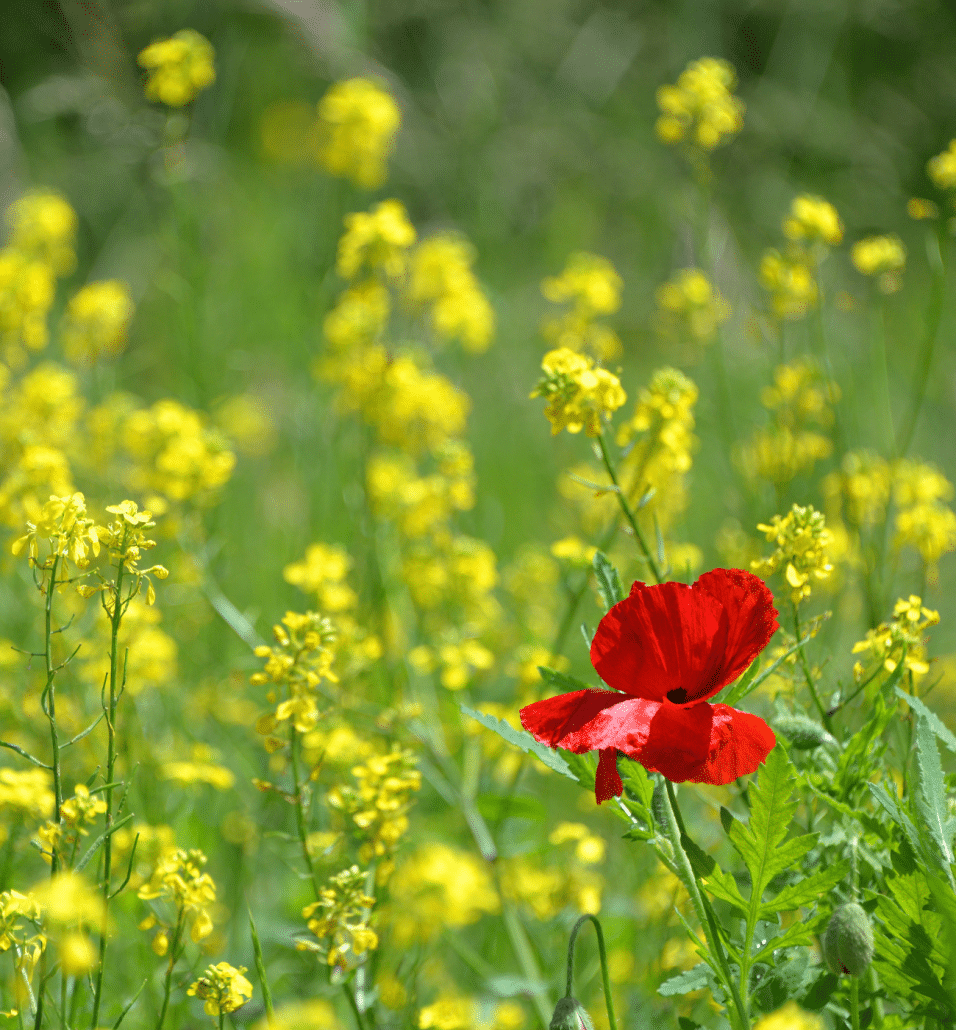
802, 541
688, 298
881, 256
701, 107
813, 219
179, 68
942, 168
579, 395
96, 320
222, 988
919, 209
357, 123
790, 1017
340, 917
376, 241
43, 228
592, 287
323, 572
449, 1012
888, 640
791, 283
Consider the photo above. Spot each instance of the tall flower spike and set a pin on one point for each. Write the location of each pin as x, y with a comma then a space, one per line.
665, 650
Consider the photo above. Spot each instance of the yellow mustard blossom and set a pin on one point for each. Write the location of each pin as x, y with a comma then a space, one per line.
340, 920
217, 776
591, 286
43, 228
313, 1014
19, 918
25, 795
96, 321
69, 904
26, 294
376, 241
777, 454
813, 220
356, 126
459, 659
178, 878
322, 573
546, 890
883, 257
357, 320
790, 1017
70, 535
579, 395
924, 520
589, 848
942, 168
801, 542
440, 276
790, 281
574, 551
701, 107
179, 68
222, 988
448, 1012
379, 803
43, 408
863, 484
301, 661
689, 300
82, 808
438, 886
888, 641
919, 209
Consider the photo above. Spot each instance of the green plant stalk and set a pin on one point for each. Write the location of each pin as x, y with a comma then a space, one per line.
626, 509
50, 692
261, 970
300, 808
168, 983
674, 829
855, 1003
115, 620
608, 1000
805, 665
526, 959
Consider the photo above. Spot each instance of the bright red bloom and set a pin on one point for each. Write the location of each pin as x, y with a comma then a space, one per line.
665, 649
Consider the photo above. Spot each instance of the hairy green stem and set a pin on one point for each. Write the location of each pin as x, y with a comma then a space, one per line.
168, 983
608, 1000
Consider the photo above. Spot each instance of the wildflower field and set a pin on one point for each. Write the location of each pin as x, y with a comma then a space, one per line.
477, 515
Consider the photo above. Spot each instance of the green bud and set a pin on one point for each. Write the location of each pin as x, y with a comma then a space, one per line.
848, 942
570, 1014
803, 733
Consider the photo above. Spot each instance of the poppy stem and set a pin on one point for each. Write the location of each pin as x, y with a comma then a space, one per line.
626, 508
675, 829
608, 1001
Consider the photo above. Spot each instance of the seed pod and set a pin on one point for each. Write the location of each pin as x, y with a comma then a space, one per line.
804, 733
570, 1014
848, 942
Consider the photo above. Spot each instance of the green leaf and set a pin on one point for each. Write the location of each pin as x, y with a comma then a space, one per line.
723, 887
788, 981
795, 933
690, 980
702, 863
931, 799
562, 681
948, 738
510, 806
737, 690
608, 581
522, 740
636, 781
807, 891
747, 684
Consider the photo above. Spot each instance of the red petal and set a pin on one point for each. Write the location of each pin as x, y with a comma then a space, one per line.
607, 781
662, 638
751, 618
552, 720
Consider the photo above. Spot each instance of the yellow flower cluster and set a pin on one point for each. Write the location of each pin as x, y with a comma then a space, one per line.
440, 277
41, 247
178, 878
376, 241
340, 920
790, 1017
356, 126
323, 573
942, 168
222, 988
179, 68
438, 886
378, 805
19, 914
701, 107
579, 395
448, 1012
458, 661
905, 632
96, 321
883, 257
69, 904
924, 519
300, 663
69, 534
546, 890
813, 226
688, 301
24, 795
591, 286
801, 542
799, 397
863, 484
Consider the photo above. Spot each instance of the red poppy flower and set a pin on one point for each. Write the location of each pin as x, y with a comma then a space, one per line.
665, 649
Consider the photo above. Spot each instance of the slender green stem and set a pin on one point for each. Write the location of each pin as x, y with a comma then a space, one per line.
300, 809
608, 1000
261, 970
50, 696
807, 675
675, 827
116, 618
628, 513
855, 1003
353, 1005
173, 955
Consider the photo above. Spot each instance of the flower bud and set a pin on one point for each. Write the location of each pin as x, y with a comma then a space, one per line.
803, 733
848, 942
570, 1014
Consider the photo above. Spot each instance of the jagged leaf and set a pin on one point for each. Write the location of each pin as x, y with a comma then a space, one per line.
608, 581
788, 981
562, 680
690, 980
807, 891
636, 781
948, 738
931, 799
522, 740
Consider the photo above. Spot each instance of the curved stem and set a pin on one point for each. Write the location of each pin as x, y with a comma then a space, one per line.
608, 1001
628, 513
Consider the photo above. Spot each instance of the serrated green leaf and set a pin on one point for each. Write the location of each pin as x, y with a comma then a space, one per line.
583, 767
808, 891
608, 581
702, 863
796, 933
891, 806
931, 799
636, 781
562, 680
787, 981
723, 887
727, 819
690, 980
522, 740
948, 738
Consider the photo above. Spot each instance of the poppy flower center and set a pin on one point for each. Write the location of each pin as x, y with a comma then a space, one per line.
678, 695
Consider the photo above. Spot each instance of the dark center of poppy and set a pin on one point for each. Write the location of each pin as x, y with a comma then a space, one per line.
678, 695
